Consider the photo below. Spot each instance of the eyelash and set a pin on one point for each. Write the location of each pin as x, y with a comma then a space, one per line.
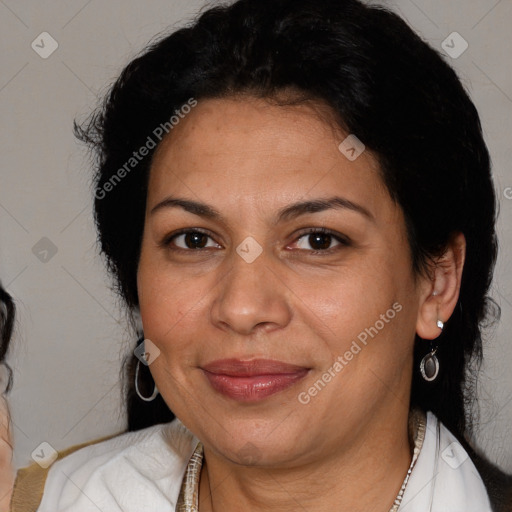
343, 240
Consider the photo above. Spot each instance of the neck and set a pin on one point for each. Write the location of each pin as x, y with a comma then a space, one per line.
368, 476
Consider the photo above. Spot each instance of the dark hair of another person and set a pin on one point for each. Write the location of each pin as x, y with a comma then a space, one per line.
7, 314
384, 84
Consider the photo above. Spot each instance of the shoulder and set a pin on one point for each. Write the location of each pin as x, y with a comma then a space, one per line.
497, 484
30, 481
112, 471
443, 478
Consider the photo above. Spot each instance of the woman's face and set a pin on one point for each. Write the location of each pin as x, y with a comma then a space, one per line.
245, 287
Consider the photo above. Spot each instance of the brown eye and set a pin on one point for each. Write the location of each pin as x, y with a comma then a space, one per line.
320, 240
190, 240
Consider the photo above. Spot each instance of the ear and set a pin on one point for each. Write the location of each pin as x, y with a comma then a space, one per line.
440, 289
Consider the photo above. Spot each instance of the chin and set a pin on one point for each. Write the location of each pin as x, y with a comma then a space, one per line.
265, 444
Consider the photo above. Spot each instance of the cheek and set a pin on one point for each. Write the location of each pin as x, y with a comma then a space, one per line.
160, 309
170, 304
355, 296
367, 314
156, 307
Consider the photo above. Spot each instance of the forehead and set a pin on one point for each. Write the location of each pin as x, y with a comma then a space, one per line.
248, 148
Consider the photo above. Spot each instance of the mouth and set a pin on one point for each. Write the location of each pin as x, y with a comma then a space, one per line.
254, 380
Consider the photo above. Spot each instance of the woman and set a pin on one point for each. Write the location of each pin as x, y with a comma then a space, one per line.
7, 474
296, 197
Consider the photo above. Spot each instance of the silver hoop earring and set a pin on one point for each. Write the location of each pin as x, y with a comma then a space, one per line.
429, 366
155, 391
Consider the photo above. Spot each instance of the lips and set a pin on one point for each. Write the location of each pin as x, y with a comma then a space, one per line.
254, 380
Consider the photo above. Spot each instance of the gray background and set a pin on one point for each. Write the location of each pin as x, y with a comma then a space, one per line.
71, 332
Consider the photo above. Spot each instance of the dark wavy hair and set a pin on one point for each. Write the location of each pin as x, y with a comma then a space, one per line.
7, 315
383, 83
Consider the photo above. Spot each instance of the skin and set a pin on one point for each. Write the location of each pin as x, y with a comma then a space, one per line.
6, 469
348, 448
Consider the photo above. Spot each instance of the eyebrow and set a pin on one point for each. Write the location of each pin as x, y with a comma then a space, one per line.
285, 214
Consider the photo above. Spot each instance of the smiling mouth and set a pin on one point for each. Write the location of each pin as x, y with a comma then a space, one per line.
254, 380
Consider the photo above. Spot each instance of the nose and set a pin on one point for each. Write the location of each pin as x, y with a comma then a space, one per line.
251, 297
